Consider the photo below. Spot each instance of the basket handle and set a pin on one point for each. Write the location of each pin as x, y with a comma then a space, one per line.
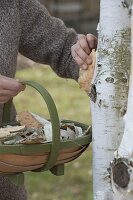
55, 147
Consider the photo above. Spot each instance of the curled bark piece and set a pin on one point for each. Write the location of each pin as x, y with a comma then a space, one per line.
86, 76
27, 119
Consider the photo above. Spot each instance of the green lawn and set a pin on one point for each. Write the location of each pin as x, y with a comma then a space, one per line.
72, 103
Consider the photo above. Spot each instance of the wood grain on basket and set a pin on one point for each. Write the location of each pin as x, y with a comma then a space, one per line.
86, 76
18, 163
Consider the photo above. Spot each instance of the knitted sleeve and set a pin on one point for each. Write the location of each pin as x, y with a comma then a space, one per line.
45, 39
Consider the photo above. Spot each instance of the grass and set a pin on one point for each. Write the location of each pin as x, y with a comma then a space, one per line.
72, 103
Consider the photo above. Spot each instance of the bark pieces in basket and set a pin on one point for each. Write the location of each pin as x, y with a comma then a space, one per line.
35, 129
10, 132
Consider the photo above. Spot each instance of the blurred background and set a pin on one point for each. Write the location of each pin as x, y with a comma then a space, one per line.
80, 14
71, 102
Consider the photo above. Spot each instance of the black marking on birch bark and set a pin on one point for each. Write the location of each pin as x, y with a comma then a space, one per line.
127, 4
123, 111
120, 172
124, 80
99, 103
109, 80
93, 93
99, 65
99, 82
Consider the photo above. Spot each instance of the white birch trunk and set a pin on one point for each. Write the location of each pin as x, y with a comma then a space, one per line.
122, 167
111, 84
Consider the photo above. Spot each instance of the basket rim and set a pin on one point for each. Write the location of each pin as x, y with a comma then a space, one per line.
32, 149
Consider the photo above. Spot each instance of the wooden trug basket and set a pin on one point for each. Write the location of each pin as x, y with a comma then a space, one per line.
16, 159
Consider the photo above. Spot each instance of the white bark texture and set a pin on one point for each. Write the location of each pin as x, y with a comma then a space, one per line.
126, 146
110, 90
122, 168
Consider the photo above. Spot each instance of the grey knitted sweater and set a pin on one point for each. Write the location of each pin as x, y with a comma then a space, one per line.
27, 27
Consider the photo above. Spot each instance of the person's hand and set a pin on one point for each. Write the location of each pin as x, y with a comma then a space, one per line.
9, 88
82, 49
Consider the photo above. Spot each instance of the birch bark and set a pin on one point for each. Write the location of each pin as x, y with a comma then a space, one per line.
110, 91
122, 167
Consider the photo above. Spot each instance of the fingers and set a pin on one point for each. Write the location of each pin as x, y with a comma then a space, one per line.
92, 41
81, 58
82, 49
9, 88
8, 93
4, 99
10, 84
81, 52
77, 58
83, 43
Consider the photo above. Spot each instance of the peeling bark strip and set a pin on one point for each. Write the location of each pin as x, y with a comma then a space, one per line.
86, 76
111, 82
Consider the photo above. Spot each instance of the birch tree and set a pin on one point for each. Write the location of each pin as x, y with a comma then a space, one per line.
109, 91
122, 166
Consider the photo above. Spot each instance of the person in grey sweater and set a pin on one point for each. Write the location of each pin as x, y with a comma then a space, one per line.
27, 27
